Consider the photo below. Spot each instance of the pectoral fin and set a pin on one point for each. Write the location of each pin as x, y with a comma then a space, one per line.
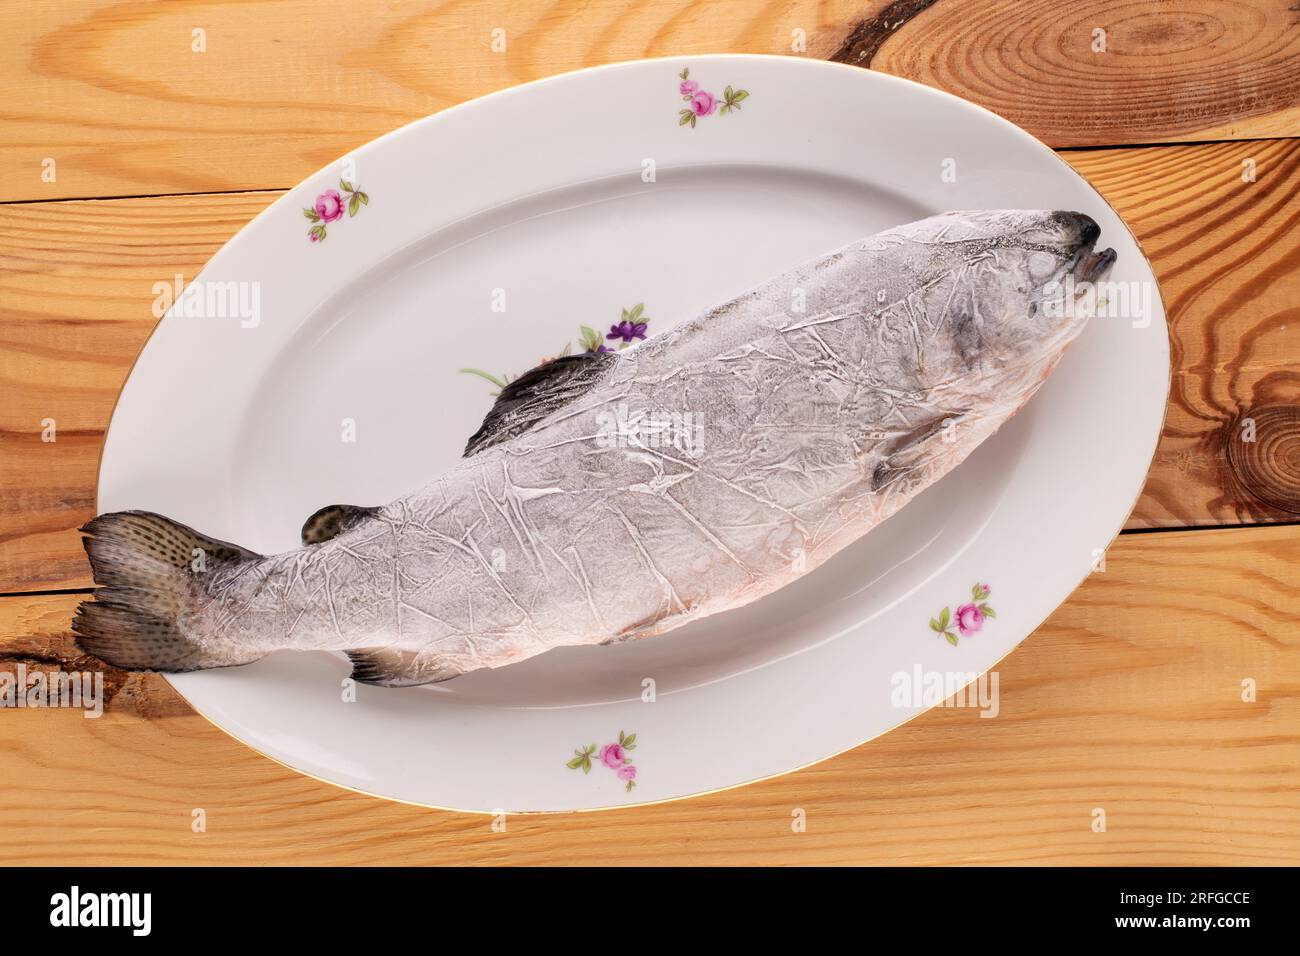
535, 394
905, 452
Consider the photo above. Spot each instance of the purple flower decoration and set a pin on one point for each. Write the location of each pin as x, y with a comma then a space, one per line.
627, 331
631, 326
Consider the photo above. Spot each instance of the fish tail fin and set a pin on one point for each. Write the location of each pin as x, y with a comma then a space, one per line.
148, 568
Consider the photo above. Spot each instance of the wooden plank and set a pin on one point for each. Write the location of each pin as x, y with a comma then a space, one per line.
76, 283
1129, 699
1226, 253
1104, 73
115, 95
76, 280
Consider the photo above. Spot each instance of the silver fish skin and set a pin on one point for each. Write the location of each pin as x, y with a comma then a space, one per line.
632, 492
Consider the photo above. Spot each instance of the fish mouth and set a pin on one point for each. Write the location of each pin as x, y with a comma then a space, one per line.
1095, 266
1085, 264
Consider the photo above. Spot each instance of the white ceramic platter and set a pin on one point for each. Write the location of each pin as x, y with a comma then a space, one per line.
536, 198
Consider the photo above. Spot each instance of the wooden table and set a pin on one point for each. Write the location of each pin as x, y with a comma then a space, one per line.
1129, 699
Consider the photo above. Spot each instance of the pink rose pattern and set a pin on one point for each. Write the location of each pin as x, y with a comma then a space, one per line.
329, 205
329, 208
968, 620
613, 755
702, 103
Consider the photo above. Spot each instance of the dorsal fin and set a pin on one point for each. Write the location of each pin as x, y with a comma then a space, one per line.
331, 521
537, 393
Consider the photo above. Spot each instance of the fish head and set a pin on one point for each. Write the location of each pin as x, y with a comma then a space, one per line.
1013, 298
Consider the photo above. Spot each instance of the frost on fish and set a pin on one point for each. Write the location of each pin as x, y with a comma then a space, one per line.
911, 347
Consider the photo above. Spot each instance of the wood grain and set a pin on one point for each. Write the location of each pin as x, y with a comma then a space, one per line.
76, 291
1226, 253
113, 93
1157, 72
1128, 699
76, 306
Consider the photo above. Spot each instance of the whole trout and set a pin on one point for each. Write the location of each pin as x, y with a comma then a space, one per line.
611, 496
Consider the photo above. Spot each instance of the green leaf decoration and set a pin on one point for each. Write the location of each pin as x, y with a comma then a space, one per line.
686, 72
499, 383
728, 94
365, 200
944, 618
987, 611
354, 203
935, 626
636, 311
630, 743
318, 232
311, 214
740, 95
952, 638
687, 117
581, 759
346, 186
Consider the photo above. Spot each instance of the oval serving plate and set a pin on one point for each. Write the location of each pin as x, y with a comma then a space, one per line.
318, 359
